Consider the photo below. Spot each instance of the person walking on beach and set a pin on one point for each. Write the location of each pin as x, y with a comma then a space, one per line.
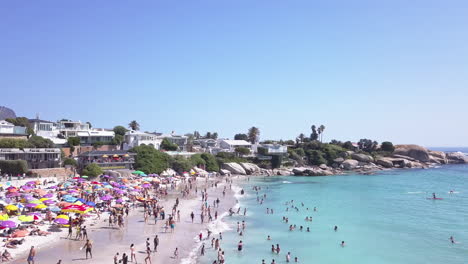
124, 258
132, 253
85, 233
176, 253
148, 255
192, 215
116, 258
32, 254
88, 247
202, 251
70, 228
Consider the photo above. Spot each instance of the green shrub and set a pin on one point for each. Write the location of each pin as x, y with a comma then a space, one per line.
13, 167
92, 170
168, 145
211, 163
69, 161
150, 160
387, 146
197, 160
181, 164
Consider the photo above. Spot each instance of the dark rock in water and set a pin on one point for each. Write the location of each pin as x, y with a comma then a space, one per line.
6, 112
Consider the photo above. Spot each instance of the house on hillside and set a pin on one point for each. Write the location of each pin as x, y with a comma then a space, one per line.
9, 130
107, 160
228, 145
37, 158
137, 138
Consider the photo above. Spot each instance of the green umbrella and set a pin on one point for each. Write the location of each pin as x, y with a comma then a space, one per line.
84, 176
138, 172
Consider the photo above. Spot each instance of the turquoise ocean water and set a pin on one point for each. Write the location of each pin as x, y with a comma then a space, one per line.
383, 218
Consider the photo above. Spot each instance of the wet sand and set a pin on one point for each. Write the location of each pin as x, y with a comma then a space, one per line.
107, 241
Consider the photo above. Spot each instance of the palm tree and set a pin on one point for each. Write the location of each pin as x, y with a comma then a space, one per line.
301, 137
254, 134
321, 129
134, 125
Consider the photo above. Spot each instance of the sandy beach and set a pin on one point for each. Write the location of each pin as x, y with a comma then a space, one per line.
107, 241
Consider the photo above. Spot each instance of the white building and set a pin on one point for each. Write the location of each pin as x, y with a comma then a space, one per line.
230, 145
136, 138
9, 130
59, 132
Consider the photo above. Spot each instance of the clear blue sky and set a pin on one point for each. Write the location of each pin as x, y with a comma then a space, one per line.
387, 70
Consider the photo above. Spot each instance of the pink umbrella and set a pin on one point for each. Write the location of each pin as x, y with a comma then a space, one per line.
49, 195
30, 205
61, 221
7, 224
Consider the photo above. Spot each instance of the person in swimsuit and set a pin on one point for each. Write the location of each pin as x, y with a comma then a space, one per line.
32, 254
239, 246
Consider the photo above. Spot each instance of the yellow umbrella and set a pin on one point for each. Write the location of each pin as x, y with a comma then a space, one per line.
105, 156
78, 203
4, 217
43, 199
11, 207
63, 216
26, 218
41, 206
35, 202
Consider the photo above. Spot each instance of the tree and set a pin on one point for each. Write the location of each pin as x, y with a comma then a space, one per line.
208, 135
70, 162
168, 145
150, 160
316, 157
197, 160
96, 145
134, 125
214, 135
40, 142
211, 163
387, 146
241, 151
349, 145
196, 134
367, 145
320, 132
13, 167
253, 134
241, 137
120, 130
314, 135
181, 164
118, 139
92, 170
301, 137
73, 142
89, 124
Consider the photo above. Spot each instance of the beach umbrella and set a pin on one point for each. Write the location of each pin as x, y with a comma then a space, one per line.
4, 217
61, 221
36, 201
119, 200
11, 207
85, 176
41, 206
7, 224
26, 218
106, 197
48, 195
91, 204
31, 182
31, 205
55, 209
66, 217
48, 202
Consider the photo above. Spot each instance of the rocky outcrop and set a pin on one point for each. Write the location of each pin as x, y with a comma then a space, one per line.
457, 158
384, 162
280, 171
234, 168
414, 151
438, 157
314, 171
199, 171
350, 164
338, 160
362, 157
224, 172
250, 168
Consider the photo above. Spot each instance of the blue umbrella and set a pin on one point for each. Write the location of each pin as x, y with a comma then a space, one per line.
91, 204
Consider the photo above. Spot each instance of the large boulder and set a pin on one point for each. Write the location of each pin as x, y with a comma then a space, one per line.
338, 160
225, 172
169, 172
350, 164
384, 162
414, 151
250, 168
234, 168
299, 171
438, 157
362, 157
457, 157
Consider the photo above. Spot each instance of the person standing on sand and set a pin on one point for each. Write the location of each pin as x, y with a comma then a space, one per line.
70, 228
132, 253
88, 247
176, 253
192, 215
32, 254
156, 243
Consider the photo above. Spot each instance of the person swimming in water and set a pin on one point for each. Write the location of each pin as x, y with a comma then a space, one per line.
452, 240
336, 228
434, 196
343, 243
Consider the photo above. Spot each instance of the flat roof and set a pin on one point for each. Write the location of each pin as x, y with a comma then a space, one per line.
109, 153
